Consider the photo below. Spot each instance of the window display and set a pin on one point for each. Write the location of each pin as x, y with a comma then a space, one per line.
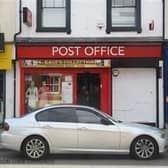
31, 97
43, 94
46, 89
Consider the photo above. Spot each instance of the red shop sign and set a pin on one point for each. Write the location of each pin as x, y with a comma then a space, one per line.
92, 52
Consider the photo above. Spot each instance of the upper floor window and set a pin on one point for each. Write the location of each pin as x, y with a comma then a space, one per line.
123, 15
53, 16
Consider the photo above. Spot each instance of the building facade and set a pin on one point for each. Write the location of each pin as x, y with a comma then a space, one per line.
108, 57
7, 31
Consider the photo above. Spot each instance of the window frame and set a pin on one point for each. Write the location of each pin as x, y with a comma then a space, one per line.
67, 27
136, 28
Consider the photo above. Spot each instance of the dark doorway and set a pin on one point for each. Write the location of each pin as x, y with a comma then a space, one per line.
88, 92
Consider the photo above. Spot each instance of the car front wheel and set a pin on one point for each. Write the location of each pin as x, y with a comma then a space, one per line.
144, 148
35, 147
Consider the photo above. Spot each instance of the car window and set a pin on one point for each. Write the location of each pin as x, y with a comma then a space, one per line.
88, 116
42, 116
57, 115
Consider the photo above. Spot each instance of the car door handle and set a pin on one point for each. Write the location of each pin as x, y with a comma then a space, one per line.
47, 126
83, 128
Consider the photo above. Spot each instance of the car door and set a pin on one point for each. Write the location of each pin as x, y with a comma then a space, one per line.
59, 125
93, 135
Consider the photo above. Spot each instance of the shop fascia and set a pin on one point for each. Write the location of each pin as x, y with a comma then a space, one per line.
88, 51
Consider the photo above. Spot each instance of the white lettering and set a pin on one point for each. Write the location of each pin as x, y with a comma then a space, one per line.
66, 51
121, 51
89, 51
77, 50
63, 51
54, 50
71, 51
102, 51
114, 51
96, 50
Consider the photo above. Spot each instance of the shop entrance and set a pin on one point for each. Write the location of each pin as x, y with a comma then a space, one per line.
88, 89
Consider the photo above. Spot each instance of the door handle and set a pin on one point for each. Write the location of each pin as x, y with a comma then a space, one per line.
47, 126
83, 128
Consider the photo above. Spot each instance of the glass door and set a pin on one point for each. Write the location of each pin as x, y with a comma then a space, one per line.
88, 89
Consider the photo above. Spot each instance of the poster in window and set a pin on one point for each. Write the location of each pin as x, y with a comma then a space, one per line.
67, 92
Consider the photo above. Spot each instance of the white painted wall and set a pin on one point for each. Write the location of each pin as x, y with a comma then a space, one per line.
86, 14
8, 11
9, 93
166, 19
8, 18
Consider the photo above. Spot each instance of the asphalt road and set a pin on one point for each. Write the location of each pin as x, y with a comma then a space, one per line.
8, 157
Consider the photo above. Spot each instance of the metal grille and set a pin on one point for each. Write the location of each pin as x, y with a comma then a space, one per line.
123, 3
53, 4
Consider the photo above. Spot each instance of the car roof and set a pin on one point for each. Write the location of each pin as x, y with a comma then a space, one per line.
57, 106
67, 105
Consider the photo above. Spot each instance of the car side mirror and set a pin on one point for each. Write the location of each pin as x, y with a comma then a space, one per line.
105, 122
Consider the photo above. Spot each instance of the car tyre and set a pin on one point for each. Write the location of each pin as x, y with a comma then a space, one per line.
35, 147
144, 148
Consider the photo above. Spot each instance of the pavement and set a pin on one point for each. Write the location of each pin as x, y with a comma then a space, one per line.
72, 166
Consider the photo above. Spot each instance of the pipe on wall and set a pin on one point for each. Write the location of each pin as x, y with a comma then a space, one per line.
14, 62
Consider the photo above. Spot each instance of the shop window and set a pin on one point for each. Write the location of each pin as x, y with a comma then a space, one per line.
123, 15
53, 15
47, 89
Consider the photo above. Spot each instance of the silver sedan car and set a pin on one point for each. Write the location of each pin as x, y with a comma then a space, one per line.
79, 129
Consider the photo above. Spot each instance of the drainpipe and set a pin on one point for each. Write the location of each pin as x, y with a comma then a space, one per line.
164, 66
14, 62
163, 20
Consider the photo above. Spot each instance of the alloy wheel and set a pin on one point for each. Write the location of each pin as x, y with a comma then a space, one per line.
35, 148
144, 148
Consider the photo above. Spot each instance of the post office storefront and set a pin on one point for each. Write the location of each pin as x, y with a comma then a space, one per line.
101, 75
